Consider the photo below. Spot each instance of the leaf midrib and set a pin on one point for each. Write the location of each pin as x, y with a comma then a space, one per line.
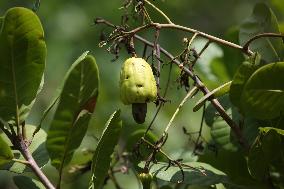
14, 81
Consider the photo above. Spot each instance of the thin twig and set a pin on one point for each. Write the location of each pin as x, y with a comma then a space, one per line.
205, 90
159, 10
200, 53
162, 103
191, 40
153, 119
165, 154
200, 128
144, 51
45, 113
246, 45
21, 161
189, 95
156, 53
190, 30
181, 28
198, 82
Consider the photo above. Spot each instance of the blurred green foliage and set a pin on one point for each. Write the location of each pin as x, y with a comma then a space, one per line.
69, 31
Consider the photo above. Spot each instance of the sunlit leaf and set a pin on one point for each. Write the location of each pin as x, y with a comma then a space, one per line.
6, 154
76, 103
23, 182
219, 91
22, 62
37, 148
267, 129
263, 95
104, 150
263, 20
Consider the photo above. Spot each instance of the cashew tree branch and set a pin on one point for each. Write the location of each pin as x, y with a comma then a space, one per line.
235, 128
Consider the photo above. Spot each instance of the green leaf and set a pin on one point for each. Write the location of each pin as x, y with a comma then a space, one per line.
266, 152
263, 95
22, 62
1, 22
23, 182
104, 150
257, 164
220, 131
135, 136
267, 129
221, 134
6, 154
195, 173
234, 165
240, 78
219, 91
77, 101
37, 148
263, 20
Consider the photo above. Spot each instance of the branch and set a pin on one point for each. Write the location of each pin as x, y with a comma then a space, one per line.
205, 90
190, 30
33, 165
246, 45
236, 130
161, 12
189, 95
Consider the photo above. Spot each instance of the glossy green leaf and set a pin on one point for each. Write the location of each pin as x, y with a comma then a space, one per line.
257, 164
266, 151
23, 182
76, 103
196, 173
240, 78
37, 148
219, 91
104, 150
263, 20
6, 154
263, 95
234, 165
267, 129
22, 62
